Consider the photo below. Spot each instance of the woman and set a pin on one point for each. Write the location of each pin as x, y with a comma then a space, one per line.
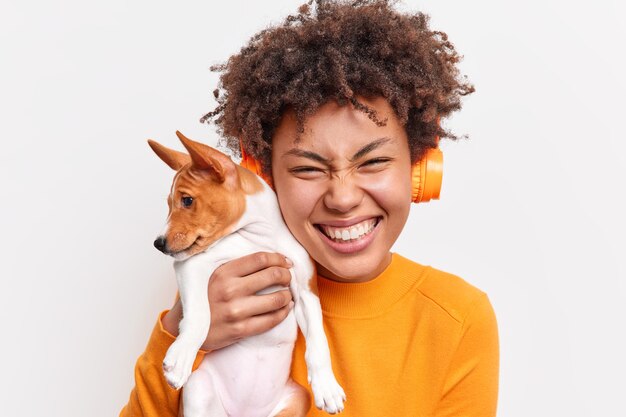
336, 105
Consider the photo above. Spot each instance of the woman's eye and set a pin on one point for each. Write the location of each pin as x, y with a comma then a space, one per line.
187, 201
375, 162
305, 170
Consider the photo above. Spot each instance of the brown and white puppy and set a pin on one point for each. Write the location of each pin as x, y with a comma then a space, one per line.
220, 211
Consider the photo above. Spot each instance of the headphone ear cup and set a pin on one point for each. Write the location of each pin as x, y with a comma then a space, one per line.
254, 165
426, 177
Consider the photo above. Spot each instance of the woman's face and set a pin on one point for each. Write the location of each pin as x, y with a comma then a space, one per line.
344, 188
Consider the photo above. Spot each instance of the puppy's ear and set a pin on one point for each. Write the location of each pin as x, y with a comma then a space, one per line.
208, 159
174, 159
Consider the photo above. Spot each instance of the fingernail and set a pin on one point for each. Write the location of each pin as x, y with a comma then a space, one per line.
291, 304
288, 261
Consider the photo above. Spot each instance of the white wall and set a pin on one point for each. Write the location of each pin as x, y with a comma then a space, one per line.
530, 212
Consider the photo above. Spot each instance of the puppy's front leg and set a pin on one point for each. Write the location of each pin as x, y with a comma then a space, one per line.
192, 281
327, 392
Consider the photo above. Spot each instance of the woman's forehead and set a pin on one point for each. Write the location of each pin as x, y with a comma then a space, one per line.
341, 129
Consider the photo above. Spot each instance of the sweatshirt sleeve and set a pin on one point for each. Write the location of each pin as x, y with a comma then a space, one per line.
152, 396
471, 385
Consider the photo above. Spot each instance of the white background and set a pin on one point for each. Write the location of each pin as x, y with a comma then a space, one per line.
531, 209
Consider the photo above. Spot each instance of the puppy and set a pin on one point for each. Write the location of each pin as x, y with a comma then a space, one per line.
220, 211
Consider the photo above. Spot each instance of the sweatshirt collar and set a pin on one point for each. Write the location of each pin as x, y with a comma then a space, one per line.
374, 297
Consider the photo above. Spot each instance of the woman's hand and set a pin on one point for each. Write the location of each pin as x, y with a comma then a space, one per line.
236, 311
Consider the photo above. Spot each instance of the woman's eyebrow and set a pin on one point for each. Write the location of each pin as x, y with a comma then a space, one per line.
307, 154
369, 148
319, 158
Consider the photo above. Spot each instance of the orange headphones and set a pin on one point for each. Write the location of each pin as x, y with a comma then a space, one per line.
426, 174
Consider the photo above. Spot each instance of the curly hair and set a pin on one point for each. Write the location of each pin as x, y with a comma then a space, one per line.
339, 50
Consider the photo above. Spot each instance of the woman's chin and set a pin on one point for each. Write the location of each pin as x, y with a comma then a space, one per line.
354, 269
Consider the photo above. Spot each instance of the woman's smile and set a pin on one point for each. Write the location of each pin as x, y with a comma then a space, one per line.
353, 237
344, 231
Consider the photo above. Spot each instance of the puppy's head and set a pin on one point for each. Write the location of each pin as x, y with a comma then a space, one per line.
206, 199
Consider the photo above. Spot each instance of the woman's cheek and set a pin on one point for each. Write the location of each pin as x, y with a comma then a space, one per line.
389, 189
297, 200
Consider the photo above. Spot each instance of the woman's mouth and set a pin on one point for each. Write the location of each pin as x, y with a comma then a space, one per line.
353, 232
352, 238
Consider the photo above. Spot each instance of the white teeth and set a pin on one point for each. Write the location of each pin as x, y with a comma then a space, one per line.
351, 232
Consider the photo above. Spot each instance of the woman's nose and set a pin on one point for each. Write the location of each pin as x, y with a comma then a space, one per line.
343, 195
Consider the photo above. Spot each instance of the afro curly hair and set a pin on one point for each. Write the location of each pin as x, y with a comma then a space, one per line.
339, 50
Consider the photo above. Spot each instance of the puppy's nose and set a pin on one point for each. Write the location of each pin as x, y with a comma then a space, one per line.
159, 243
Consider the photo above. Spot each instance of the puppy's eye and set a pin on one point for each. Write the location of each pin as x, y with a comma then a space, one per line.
187, 201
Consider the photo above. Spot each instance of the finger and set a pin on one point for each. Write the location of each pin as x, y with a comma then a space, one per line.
261, 323
265, 278
255, 305
252, 263
226, 290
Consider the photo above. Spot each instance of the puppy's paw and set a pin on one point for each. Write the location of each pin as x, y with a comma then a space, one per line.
178, 363
328, 394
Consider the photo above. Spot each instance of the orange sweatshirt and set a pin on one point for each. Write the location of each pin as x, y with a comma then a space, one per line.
413, 342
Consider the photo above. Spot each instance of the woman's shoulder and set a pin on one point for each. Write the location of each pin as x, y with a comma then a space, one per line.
449, 291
